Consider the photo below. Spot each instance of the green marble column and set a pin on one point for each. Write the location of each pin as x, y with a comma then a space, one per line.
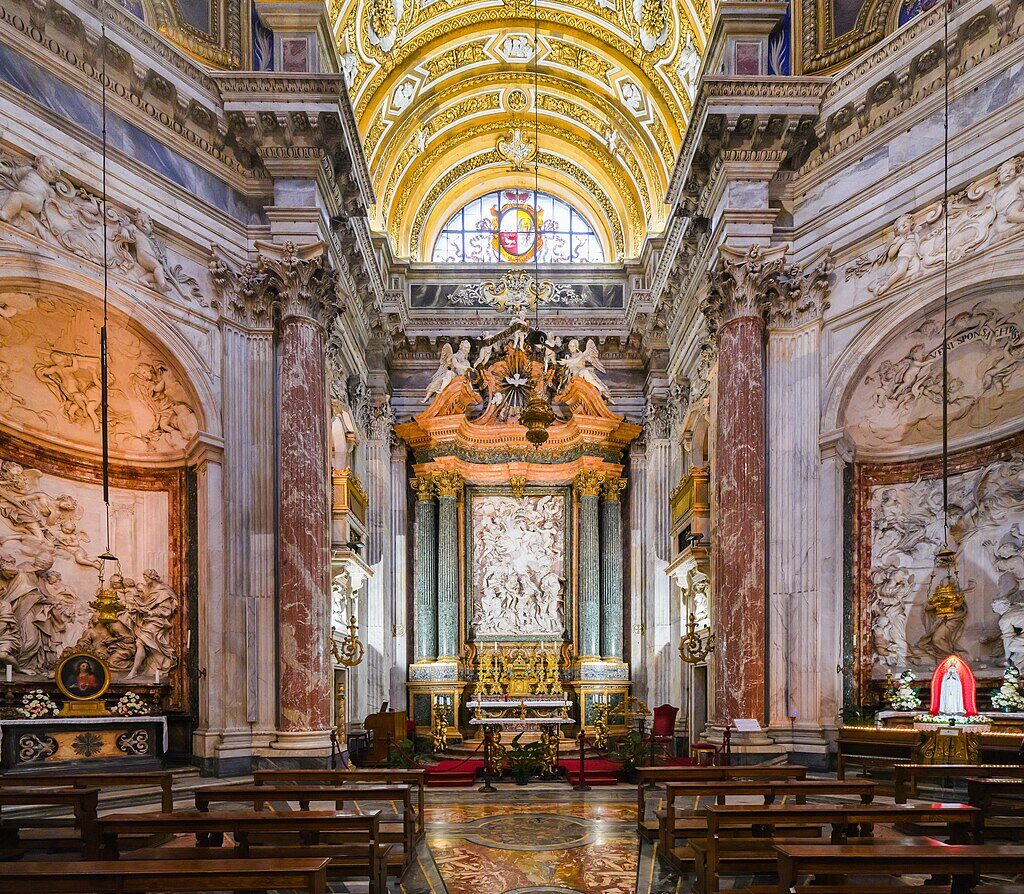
611, 569
449, 489
425, 571
588, 490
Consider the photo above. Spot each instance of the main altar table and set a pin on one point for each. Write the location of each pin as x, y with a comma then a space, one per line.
521, 715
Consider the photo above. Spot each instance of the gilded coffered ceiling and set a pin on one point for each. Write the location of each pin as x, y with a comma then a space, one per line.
440, 89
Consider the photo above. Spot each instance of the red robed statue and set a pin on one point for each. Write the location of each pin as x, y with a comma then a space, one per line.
953, 688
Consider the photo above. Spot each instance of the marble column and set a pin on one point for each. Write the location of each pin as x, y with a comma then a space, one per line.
398, 527
449, 489
304, 526
640, 658
739, 288
304, 287
611, 568
425, 570
588, 489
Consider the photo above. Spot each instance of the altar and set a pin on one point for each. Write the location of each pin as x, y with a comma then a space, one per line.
518, 549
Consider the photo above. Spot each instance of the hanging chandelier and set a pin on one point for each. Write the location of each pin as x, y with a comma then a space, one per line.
946, 599
106, 604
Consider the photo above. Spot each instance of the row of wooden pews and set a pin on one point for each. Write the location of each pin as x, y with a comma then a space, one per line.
229, 840
710, 828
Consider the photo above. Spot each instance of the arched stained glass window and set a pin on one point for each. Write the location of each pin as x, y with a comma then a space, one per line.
500, 228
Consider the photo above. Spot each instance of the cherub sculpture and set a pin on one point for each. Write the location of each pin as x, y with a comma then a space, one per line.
583, 363
453, 365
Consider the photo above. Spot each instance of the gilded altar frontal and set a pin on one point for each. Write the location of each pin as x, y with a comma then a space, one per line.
509, 439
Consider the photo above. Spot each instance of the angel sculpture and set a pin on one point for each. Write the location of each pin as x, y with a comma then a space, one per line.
583, 363
453, 365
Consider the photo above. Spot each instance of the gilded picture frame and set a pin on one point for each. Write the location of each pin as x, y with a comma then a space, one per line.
82, 676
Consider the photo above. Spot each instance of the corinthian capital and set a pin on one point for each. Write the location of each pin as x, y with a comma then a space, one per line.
301, 279
806, 297
743, 284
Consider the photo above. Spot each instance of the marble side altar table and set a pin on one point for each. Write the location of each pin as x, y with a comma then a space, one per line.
83, 743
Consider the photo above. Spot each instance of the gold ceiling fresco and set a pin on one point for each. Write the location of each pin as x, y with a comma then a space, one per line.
439, 89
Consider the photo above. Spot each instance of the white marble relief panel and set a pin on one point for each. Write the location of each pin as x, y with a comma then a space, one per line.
518, 565
987, 526
50, 380
51, 531
898, 400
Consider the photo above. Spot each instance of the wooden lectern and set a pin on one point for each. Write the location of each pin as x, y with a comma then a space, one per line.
388, 728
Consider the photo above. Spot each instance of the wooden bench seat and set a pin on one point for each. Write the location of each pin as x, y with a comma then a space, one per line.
671, 827
265, 833
650, 777
401, 832
83, 802
908, 775
129, 876
353, 776
964, 863
161, 779
720, 854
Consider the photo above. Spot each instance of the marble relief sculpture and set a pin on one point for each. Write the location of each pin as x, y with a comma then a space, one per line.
988, 210
586, 364
38, 198
53, 346
48, 579
986, 521
518, 565
899, 400
453, 364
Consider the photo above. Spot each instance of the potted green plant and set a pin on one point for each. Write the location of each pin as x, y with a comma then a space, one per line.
633, 752
523, 761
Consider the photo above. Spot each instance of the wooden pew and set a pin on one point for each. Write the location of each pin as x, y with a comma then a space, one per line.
82, 801
984, 792
907, 775
350, 841
649, 777
163, 779
964, 862
415, 778
741, 838
868, 747
130, 876
402, 833
670, 828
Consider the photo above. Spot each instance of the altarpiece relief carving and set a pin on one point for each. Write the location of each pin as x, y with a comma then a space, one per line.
518, 565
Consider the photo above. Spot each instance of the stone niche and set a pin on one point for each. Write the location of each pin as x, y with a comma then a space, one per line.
893, 415
52, 524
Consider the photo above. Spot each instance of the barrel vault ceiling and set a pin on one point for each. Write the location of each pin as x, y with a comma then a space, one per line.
437, 85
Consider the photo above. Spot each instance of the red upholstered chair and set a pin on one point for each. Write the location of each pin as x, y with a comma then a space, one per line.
708, 754
664, 727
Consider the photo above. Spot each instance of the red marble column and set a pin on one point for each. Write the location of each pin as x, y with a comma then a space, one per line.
303, 531
303, 537
738, 519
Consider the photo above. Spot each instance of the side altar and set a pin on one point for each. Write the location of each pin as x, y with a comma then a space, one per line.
517, 539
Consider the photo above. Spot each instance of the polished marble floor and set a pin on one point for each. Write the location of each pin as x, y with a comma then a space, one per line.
539, 839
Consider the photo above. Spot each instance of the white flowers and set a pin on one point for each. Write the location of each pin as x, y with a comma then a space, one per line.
1008, 697
37, 704
130, 705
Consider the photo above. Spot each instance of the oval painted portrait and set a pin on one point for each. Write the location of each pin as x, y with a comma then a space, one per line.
82, 676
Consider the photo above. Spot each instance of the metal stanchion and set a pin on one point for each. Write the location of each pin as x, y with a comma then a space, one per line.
488, 760
582, 786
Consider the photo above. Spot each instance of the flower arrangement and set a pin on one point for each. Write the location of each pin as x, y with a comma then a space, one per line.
953, 719
902, 696
37, 704
1008, 697
130, 705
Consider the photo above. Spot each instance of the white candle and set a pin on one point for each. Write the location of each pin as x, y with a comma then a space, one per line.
9, 673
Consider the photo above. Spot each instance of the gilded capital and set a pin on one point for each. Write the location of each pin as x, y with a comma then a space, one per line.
588, 483
449, 484
424, 487
613, 487
517, 484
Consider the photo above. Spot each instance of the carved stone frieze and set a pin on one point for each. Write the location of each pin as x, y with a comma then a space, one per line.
989, 211
37, 198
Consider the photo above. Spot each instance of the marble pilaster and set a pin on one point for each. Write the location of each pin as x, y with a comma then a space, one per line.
639, 573
398, 526
449, 489
611, 568
425, 570
588, 489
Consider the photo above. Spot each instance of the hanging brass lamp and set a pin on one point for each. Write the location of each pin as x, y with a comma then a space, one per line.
537, 417
106, 603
